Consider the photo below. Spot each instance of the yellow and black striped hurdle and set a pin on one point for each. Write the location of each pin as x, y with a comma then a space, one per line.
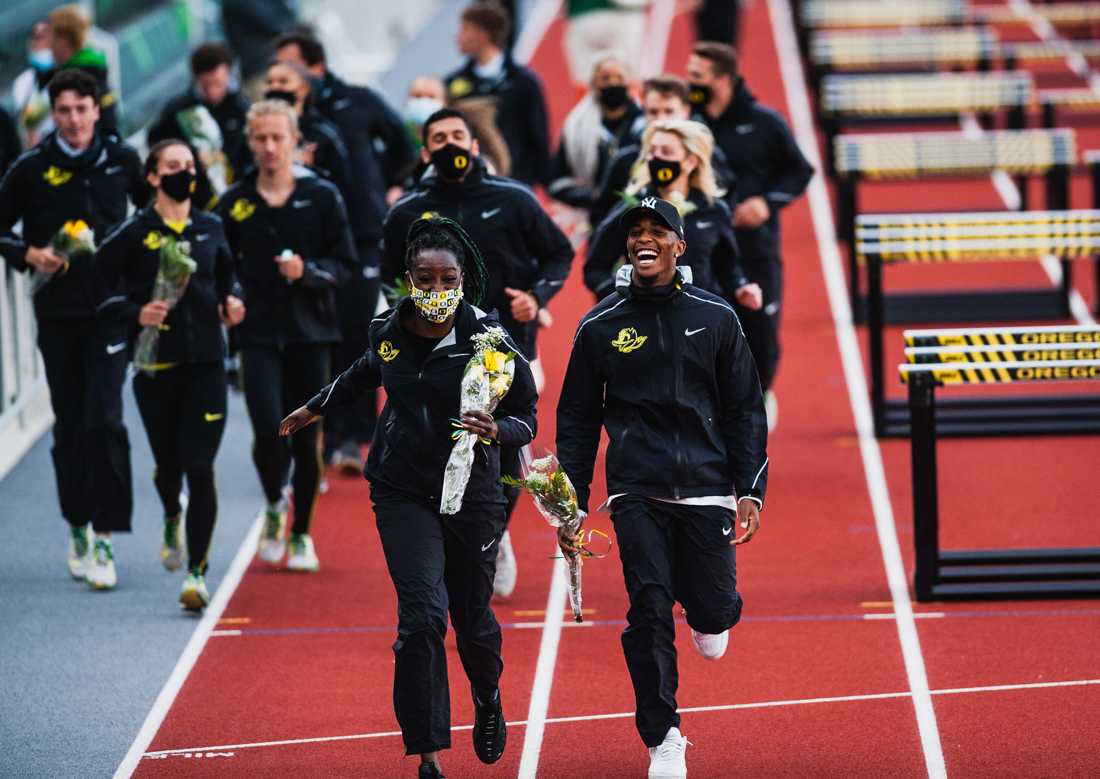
893, 98
1057, 335
890, 239
907, 157
995, 573
813, 15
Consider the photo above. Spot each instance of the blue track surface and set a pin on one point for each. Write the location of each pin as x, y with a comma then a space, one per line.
81, 669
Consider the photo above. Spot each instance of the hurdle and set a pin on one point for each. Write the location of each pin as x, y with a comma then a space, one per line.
843, 51
906, 98
831, 14
908, 157
885, 239
985, 573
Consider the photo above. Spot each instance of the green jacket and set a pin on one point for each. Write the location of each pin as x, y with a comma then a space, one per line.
578, 7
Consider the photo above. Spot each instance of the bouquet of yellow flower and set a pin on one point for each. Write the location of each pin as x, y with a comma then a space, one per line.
486, 379
176, 267
556, 499
75, 239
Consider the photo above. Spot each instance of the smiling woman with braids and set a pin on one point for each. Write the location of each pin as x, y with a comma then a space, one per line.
418, 352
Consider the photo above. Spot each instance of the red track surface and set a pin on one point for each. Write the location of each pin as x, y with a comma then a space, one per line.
809, 580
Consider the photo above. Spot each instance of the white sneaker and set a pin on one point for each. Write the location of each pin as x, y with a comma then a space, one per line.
193, 594
504, 583
171, 542
272, 544
710, 646
101, 570
667, 761
771, 410
303, 557
80, 546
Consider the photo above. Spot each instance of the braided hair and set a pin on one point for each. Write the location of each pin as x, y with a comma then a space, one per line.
438, 232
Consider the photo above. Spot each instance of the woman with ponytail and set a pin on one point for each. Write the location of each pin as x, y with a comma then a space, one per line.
438, 563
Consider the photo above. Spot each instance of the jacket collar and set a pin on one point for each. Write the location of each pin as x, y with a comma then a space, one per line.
626, 289
469, 319
95, 154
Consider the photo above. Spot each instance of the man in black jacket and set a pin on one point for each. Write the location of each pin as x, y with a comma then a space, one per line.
526, 255
770, 171
665, 368
77, 173
211, 91
10, 145
380, 152
491, 72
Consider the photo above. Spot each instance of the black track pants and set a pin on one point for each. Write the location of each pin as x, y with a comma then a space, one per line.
439, 564
276, 382
85, 371
356, 302
183, 409
671, 553
762, 327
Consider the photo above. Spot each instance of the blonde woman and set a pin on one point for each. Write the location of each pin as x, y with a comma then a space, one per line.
675, 165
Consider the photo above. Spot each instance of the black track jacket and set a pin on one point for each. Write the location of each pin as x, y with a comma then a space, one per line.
522, 246
46, 188
412, 440
669, 374
126, 266
767, 162
313, 224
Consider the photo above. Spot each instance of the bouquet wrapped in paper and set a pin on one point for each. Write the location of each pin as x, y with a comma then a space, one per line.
73, 241
201, 130
176, 267
486, 379
556, 499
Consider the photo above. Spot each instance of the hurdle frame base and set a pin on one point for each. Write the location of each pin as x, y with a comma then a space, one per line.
989, 574
997, 416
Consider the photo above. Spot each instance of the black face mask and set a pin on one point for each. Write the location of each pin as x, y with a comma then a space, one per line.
663, 172
613, 97
700, 95
451, 162
179, 186
280, 94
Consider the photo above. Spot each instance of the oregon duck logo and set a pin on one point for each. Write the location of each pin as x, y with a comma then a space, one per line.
153, 240
461, 87
430, 215
387, 352
629, 341
242, 209
56, 176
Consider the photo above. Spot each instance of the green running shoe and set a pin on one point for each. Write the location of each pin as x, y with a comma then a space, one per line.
303, 557
80, 542
272, 544
101, 572
171, 545
193, 594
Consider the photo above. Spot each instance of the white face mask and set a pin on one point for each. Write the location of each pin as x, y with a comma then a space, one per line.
418, 109
436, 306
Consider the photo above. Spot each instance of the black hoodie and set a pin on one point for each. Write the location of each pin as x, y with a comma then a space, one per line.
412, 440
46, 188
522, 246
668, 372
767, 162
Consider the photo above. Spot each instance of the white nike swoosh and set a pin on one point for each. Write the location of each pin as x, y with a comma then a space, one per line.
299, 203
340, 105
490, 214
745, 128
693, 332
115, 348
201, 238
703, 225
486, 547
728, 530
112, 170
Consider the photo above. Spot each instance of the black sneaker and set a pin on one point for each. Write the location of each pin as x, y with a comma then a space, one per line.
490, 730
430, 771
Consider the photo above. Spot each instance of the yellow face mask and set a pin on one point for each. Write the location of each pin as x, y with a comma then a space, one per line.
435, 306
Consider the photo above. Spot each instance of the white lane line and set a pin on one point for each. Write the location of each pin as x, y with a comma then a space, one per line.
544, 672
191, 653
628, 714
821, 211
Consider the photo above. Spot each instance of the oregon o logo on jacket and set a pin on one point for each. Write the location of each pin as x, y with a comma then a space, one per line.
628, 340
387, 352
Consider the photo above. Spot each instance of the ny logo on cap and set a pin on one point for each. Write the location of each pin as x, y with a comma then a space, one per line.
649, 202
